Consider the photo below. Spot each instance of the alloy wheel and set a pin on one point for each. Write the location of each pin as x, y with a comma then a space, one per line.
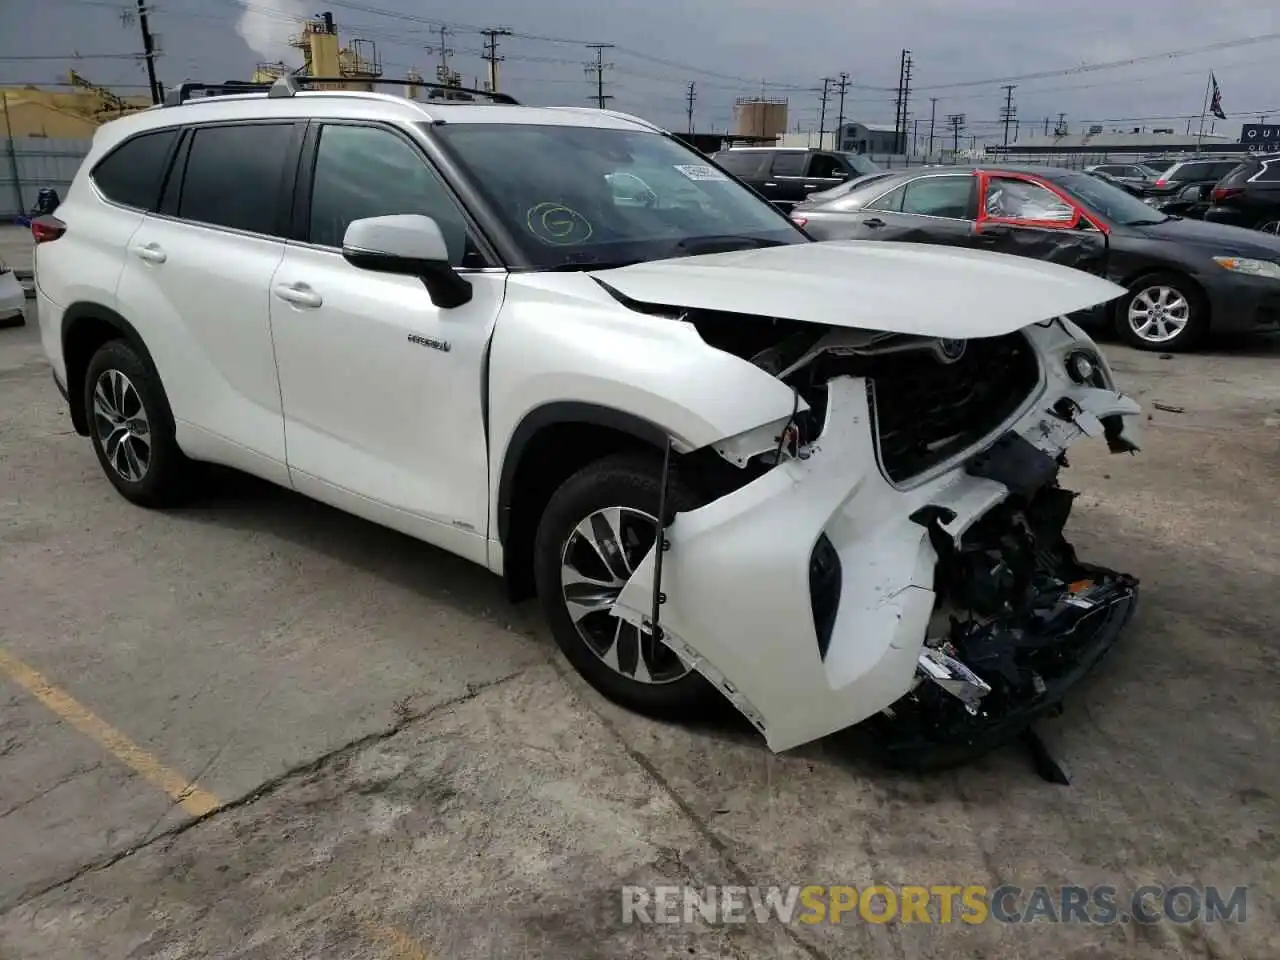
1271, 226
1159, 314
123, 427
596, 562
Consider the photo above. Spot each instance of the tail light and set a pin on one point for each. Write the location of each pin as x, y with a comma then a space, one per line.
1162, 182
1225, 193
48, 228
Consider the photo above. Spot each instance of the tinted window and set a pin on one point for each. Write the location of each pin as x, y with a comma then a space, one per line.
133, 172
891, 202
826, 166
939, 197
365, 172
741, 163
1108, 170
233, 176
789, 164
1270, 171
1220, 170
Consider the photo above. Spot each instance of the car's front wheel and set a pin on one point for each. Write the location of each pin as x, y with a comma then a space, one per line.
132, 427
595, 531
1162, 312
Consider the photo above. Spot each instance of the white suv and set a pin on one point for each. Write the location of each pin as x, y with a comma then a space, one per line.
524, 334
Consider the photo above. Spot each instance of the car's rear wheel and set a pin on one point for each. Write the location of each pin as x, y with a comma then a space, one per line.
1162, 312
595, 531
1269, 226
132, 427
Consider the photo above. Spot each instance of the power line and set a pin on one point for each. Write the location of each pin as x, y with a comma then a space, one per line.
597, 69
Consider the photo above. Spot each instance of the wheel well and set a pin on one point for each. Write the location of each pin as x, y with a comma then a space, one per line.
82, 339
549, 458
1129, 282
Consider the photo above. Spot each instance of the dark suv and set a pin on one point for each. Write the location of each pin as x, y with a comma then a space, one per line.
1250, 195
1204, 171
785, 176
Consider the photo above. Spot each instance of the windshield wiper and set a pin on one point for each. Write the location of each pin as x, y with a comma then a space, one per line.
724, 243
571, 266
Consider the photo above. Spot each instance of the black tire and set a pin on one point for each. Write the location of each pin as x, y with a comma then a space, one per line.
164, 478
1270, 224
631, 482
1197, 319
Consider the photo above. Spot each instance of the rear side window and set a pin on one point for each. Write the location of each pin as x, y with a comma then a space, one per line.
234, 174
947, 197
133, 172
1270, 172
1220, 170
1241, 173
789, 164
740, 163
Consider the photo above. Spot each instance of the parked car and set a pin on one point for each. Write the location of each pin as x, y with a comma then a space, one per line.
1182, 277
1125, 174
785, 176
1249, 196
1127, 186
1185, 173
656, 414
12, 297
1159, 164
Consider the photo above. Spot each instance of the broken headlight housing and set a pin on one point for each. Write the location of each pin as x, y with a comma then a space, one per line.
1086, 368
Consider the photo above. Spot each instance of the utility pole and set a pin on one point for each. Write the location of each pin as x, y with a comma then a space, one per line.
956, 122
596, 69
1008, 112
933, 115
844, 86
445, 51
915, 136
822, 116
901, 111
150, 53
1046, 126
490, 55
1061, 129
691, 96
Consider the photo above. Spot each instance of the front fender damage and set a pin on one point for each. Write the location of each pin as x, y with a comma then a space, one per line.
819, 594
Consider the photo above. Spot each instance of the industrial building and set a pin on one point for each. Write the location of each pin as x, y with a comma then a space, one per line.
760, 118
64, 114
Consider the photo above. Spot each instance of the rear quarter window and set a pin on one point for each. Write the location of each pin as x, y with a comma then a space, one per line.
1270, 172
133, 173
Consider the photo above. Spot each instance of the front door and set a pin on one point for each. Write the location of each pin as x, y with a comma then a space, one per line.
1026, 217
381, 389
786, 184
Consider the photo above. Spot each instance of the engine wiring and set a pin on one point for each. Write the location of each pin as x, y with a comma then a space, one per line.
790, 429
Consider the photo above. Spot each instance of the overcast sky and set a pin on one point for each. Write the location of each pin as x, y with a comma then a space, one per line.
728, 48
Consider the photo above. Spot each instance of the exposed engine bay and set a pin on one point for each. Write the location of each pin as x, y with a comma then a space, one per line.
948, 641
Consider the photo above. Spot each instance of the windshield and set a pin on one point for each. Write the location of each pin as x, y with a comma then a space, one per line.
861, 165
588, 197
1113, 203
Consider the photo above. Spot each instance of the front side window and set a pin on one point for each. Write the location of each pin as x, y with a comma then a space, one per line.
234, 176
948, 197
133, 172
825, 166
1009, 199
369, 172
590, 196
891, 202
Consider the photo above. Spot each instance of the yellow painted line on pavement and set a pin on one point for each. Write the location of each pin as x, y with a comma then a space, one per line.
400, 945
191, 798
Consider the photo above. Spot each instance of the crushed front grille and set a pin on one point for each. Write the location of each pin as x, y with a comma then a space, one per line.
927, 411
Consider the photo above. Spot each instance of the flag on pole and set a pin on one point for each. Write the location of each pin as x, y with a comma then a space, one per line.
1215, 105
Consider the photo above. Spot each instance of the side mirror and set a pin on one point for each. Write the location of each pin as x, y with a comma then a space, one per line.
408, 244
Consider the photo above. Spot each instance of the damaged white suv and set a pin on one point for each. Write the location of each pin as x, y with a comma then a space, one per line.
526, 334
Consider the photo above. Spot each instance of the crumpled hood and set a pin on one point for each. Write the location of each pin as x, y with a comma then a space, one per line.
907, 288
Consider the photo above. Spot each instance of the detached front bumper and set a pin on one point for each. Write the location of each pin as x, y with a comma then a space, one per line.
736, 581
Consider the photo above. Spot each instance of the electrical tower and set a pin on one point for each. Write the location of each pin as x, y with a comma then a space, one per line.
957, 122
901, 111
843, 87
596, 69
149, 53
1008, 112
690, 97
444, 51
1061, 129
933, 115
490, 55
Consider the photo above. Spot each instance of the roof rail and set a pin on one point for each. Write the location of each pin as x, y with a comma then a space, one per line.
289, 85
183, 91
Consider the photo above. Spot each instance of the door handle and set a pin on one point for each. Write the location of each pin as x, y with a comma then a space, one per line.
770, 184
298, 294
873, 222
150, 252
811, 186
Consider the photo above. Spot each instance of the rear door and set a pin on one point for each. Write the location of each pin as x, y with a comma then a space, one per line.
786, 185
1027, 217
935, 208
198, 274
